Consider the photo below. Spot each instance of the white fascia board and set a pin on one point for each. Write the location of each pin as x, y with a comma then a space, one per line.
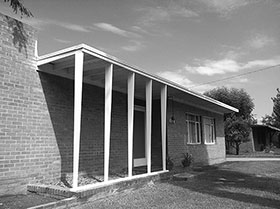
41, 60
111, 59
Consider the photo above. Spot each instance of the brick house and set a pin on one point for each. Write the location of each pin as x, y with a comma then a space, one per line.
79, 111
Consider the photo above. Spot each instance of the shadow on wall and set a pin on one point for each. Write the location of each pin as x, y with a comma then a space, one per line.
20, 36
59, 98
59, 95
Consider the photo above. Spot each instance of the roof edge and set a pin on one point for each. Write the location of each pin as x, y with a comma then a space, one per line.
133, 68
268, 126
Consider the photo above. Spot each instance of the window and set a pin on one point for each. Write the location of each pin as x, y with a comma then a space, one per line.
193, 129
209, 130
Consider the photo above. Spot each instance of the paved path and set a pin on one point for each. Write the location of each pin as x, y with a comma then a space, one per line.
230, 159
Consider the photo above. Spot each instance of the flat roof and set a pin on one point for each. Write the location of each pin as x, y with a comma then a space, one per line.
51, 57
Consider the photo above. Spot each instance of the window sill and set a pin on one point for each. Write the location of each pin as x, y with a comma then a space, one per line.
193, 143
210, 143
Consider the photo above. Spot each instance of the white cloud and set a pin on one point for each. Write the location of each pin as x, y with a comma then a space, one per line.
203, 88
62, 41
224, 7
237, 80
140, 30
180, 10
133, 46
159, 14
113, 29
176, 77
260, 41
180, 77
74, 27
212, 67
219, 67
262, 63
242, 80
41, 23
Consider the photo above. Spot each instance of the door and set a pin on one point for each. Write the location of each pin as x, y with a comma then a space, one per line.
139, 142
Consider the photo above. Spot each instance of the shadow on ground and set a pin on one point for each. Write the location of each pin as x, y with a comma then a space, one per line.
224, 183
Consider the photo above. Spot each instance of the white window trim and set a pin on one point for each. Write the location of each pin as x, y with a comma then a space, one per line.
204, 132
199, 141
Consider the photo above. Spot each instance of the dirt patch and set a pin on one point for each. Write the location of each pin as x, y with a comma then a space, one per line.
67, 180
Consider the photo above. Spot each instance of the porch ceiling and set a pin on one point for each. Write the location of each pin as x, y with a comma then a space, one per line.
62, 63
94, 74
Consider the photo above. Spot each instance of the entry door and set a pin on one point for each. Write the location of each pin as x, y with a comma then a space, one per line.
139, 142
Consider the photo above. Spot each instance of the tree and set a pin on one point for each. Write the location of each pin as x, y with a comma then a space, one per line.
237, 131
268, 120
274, 118
18, 6
234, 97
276, 109
237, 125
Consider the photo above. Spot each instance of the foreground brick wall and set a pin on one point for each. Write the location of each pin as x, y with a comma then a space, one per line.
25, 128
202, 153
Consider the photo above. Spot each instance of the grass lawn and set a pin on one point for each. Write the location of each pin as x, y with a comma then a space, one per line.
228, 185
23, 201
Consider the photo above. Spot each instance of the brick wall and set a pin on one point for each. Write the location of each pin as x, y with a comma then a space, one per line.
202, 153
22, 112
59, 97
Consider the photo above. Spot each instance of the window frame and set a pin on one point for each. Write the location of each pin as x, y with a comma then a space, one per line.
213, 126
198, 129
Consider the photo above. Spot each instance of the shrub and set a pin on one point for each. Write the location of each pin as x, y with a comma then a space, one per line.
187, 160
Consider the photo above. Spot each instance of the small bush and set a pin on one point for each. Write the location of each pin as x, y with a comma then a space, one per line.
187, 160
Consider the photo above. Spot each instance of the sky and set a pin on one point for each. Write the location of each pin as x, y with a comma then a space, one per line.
189, 42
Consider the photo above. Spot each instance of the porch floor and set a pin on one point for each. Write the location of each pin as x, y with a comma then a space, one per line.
66, 182
103, 189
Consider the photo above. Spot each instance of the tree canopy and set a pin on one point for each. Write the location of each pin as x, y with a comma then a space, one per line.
268, 120
237, 125
276, 108
18, 7
234, 97
274, 118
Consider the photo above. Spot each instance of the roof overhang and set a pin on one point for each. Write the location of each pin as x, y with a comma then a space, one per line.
61, 63
265, 126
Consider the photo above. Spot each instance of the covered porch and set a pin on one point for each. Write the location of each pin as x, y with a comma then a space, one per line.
88, 66
265, 136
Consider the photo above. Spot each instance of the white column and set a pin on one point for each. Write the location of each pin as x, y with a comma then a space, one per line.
107, 118
163, 100
148, 123
79, 59
130, 119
